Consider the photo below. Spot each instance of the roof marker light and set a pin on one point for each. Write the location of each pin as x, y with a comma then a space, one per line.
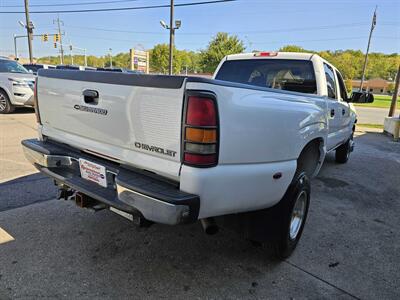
266, 54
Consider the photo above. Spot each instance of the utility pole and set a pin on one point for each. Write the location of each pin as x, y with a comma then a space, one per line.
71, 53
171, 27
395, 94
59, 22
366, 54
171, 37
29, 30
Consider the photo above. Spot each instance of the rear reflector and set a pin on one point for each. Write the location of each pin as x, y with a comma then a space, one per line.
200, 160
201, 112
201, 135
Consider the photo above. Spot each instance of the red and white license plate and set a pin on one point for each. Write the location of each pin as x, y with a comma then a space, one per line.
93, 172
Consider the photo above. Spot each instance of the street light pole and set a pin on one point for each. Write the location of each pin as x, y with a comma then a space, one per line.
110, 57
84, 51
15, 47
29, 30
366, 54
171, 37
171, 27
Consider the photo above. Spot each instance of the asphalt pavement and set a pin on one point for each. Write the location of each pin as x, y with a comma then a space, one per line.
349, 248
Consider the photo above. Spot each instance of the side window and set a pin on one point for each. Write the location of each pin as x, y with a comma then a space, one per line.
330, 81
342, 87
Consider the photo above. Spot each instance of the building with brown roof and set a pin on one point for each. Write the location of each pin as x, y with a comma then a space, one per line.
376, 86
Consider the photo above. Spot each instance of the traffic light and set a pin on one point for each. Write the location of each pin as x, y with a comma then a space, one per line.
56, 37
45, 37
70, 47
55, 45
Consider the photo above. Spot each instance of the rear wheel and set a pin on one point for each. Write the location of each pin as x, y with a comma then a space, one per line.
5, 105
289, 217
280, 227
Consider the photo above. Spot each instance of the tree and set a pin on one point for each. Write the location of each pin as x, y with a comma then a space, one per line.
159, 58
390, 88
292, 48
220, 46
349, 85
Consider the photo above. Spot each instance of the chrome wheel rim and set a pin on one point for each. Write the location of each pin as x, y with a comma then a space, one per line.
298, 214
3, 102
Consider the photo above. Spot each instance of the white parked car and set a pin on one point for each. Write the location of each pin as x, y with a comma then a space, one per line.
175, 149
16, 86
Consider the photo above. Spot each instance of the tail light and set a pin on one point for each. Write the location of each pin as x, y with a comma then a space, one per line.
35, 101
200, 130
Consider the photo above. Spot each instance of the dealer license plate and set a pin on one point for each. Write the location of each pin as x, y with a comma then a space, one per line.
93, 172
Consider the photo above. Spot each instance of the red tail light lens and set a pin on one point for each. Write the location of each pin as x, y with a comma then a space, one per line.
200, 160
200, 130
201, 112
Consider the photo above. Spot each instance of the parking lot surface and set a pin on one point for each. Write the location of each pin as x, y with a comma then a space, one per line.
350, 246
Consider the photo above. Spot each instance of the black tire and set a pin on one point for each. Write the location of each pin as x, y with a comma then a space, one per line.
271, 227
342, 153
5, 105
285, 234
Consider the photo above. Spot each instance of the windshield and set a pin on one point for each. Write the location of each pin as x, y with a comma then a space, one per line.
10, 66
283, 74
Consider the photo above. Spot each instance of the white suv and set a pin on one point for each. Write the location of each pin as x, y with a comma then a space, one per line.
16, 86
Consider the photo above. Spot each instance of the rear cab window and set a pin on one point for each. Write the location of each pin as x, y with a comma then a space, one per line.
284, 74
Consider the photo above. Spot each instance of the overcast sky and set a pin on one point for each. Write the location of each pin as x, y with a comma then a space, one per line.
261, 24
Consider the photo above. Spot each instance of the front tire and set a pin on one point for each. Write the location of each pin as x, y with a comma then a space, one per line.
342, 153
5, 105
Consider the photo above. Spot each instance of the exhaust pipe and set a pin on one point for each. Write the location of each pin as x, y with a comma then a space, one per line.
209, 226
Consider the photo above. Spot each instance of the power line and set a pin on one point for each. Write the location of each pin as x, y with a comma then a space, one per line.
117, 9
259, 42
73, 4
235, 32
322, 40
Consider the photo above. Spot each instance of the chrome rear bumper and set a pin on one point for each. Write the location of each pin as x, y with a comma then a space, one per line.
128, 190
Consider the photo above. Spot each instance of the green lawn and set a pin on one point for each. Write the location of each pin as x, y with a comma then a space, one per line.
377, 126
381, 101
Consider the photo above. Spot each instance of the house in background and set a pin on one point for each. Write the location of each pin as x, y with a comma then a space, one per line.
376, 86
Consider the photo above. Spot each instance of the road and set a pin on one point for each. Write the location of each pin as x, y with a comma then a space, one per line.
372, 115
349, 249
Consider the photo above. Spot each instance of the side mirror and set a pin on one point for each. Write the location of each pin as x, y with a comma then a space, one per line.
361, 97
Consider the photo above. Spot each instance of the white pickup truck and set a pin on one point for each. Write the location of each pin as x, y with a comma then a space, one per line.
175, 149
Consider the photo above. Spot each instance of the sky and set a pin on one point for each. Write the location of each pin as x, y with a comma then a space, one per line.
261, 24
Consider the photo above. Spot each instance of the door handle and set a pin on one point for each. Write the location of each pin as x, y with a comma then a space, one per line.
332, 113
90, 96
343, 112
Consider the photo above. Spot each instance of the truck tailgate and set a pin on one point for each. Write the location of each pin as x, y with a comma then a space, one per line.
136, 119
